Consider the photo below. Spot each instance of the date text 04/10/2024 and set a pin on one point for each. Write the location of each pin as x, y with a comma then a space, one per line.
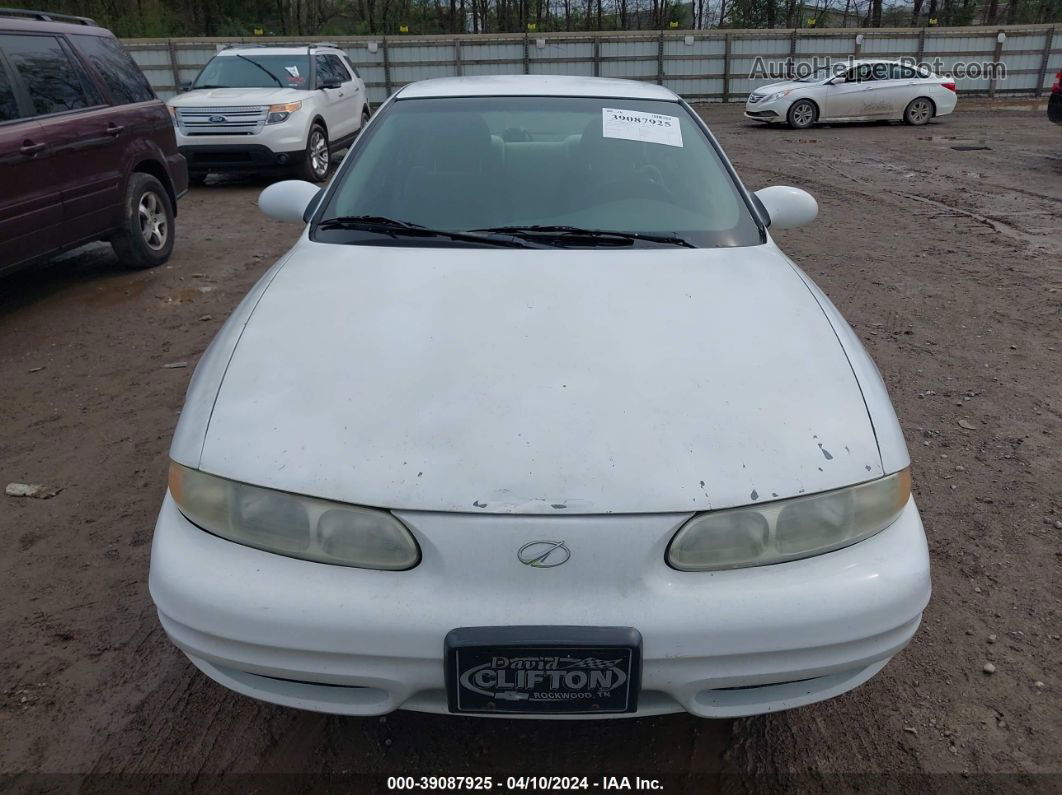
523, 783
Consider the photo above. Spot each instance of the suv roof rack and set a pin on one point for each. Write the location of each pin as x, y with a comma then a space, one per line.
239, 46
46, 16
331, 44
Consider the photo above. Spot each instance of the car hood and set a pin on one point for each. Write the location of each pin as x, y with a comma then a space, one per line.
539, 381
773, 87
205, 97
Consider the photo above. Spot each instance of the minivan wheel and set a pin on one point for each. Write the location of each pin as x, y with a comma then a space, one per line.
146, 237
318, 157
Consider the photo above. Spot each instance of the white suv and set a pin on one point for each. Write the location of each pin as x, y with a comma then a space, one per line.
254, 108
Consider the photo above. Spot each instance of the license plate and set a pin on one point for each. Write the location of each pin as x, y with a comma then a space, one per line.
553, 670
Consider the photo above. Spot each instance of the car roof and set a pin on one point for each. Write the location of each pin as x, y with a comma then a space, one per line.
260, 50
878, 60
535, 86
20, 24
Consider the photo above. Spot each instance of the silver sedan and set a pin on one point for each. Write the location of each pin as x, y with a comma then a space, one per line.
858, 91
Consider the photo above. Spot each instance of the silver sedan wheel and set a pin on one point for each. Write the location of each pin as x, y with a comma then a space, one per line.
802, 114
319, 156
154, 227
919, 111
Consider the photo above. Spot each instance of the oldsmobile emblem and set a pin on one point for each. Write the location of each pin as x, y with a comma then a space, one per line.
543, 554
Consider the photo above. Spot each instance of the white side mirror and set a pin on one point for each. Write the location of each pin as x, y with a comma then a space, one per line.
287, 200
788, 207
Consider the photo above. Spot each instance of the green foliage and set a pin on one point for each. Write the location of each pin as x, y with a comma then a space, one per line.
166, 18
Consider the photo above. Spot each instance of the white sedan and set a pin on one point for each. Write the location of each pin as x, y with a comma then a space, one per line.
535, 419
861, 91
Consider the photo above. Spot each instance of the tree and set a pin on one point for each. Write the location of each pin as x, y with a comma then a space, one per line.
162, 18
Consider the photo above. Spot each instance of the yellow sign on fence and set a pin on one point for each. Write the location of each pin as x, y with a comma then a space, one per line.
403, 28
532, 26
673, 23
259, 31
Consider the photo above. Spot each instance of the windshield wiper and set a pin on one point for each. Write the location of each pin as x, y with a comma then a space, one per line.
389, 226
585, 237
272, 76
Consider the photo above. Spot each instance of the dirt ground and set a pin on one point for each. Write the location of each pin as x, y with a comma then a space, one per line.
941, 245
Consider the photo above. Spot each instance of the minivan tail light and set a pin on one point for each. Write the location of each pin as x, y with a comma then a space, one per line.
950, 85
1057, 87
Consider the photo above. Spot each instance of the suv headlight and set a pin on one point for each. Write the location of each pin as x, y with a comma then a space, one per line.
293, 525
789, 529
279, 113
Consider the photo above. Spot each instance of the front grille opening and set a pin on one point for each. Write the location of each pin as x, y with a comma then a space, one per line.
760, 687
313, 684
223, 157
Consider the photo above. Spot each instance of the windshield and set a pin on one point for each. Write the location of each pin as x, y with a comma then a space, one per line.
255, 71
822, 73
560, 165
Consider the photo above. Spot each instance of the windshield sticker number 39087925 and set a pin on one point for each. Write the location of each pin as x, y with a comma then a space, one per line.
635, 125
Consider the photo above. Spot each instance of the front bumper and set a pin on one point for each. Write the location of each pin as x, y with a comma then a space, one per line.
768, 110
238, 157
717, 644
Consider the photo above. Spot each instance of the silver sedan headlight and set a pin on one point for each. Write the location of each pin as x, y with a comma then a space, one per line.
293, 525
778, 95
789, 529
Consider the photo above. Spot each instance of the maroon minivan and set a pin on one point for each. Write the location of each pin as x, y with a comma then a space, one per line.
87, 151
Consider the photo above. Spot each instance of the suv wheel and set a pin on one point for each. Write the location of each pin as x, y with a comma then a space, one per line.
146, 237
318, 158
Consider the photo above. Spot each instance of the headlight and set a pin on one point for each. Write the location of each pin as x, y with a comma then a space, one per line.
173, 114
289, 524
778, 95
279, 113
789, 529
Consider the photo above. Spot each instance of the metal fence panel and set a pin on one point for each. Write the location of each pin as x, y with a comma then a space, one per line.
631, 70
825, 45
890, 46
629, 49
701, 64
773, 47
492, 51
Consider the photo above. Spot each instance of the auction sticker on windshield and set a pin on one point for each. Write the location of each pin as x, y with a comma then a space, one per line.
541, 678
636, 125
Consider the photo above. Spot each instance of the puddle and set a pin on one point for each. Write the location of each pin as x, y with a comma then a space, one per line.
116, 293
